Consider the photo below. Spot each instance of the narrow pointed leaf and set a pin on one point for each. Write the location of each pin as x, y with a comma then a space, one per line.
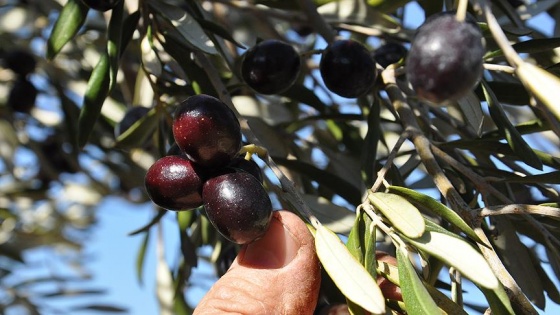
186, 25
454, 252
71, 18
404, 216
361, 242
498, 301
114, 41
96, 91
436, 207
347, 273
416, 297
137, 134
517, 259
513, 137
141, 257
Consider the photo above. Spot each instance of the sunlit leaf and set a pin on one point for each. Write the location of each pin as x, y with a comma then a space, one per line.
404, 216
542, 84
416, 297
453, 251
436, 207
347, 273
69, 22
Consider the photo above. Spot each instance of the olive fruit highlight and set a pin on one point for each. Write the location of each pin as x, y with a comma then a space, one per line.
173, 182
348, 68
101, 5
445, 59
238, 206
270, 67
207, 131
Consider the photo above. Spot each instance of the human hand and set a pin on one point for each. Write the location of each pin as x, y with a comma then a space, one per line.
277, 274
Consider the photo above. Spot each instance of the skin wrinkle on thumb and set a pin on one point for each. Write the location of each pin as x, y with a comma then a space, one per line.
278, 274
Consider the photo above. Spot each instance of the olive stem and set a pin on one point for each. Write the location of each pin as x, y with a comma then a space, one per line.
519, 209
381, 174
462, 10
500, 68
500, 37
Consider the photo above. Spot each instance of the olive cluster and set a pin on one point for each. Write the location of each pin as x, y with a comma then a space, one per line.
207, 171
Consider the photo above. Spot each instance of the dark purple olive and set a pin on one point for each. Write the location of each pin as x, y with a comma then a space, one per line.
248, 166
270, 67
445, 59
101, 5
238, 206
173, 182
20, 62
207, 131
348, 68
389, 54
22, 96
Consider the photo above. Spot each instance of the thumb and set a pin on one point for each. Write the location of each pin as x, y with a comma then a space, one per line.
277, 274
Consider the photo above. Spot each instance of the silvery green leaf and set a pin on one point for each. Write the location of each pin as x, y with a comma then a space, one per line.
347, 273
459, 254
404, 216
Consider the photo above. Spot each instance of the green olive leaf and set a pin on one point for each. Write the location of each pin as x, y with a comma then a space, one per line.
70, 20
404, 216
416, 297
498, 301
137, 134
141, 258
361, 242
347, 273
96, 91
436, 207
459, 254
186, 25
512, 136
517, 259
114, 41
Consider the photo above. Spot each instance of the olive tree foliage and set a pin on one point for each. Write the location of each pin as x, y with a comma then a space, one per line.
463, 195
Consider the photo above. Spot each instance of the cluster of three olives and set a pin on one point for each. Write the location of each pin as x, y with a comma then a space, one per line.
209, 172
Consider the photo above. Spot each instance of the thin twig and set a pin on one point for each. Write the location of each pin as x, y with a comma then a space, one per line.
519, 209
